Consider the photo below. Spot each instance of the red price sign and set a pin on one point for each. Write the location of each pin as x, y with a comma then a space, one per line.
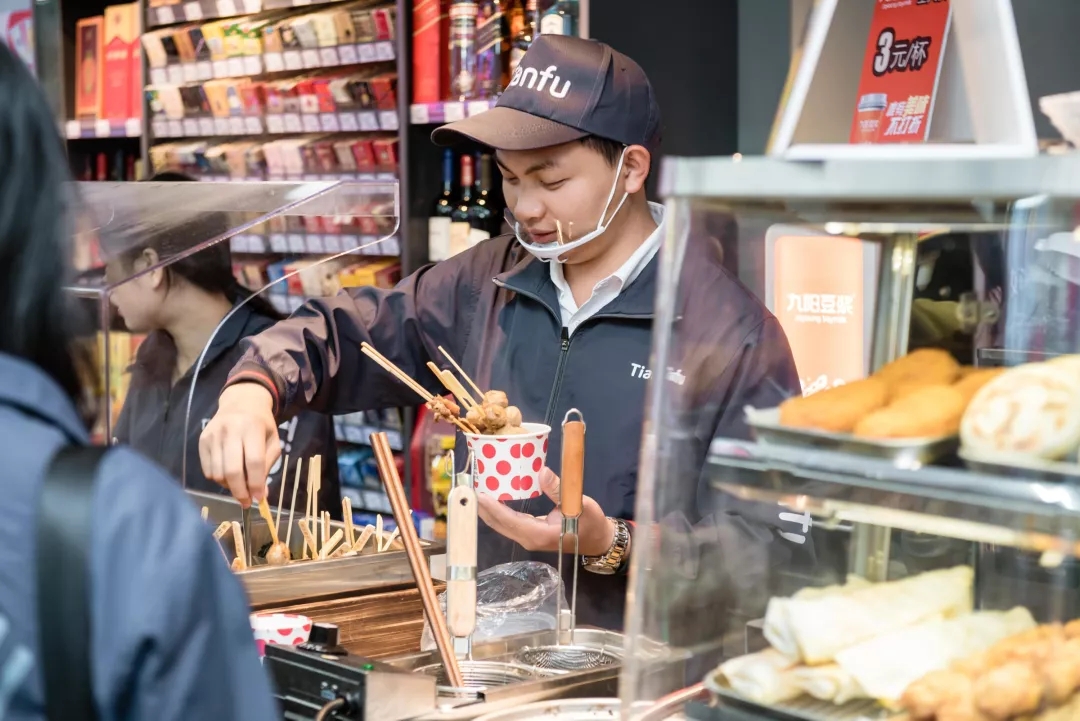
900, 71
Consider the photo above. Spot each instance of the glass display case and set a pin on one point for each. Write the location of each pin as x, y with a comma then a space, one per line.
858, 493
176, 274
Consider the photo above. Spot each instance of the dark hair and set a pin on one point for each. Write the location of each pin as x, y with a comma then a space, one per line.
611, 150
209, 269
38, 318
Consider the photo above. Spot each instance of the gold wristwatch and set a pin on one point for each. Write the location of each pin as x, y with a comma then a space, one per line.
610, 563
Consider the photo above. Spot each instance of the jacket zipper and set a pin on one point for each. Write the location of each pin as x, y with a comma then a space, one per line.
564, 350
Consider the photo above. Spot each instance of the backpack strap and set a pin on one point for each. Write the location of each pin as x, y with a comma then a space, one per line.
65, 520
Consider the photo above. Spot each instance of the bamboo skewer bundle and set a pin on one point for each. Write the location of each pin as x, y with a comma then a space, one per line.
384, 457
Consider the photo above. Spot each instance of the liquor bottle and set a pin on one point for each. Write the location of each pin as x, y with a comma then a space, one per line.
493, 48
524, 37
483, 220
560, 18
463, 50
459, 217
440, 219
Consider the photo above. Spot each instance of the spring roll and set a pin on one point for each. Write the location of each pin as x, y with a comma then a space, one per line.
815, 629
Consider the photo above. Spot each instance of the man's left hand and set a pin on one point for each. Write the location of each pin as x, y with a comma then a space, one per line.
535, 533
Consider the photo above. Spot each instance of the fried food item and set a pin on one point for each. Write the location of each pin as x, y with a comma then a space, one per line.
1031, 410
970, 383
443, 408
1072, 629
513, 416
495, 398
925, 365
1009, 690
962, 707
923, 698
1061, 672
836, 410
928, 412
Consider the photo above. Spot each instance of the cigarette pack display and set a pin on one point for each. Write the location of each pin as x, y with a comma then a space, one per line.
89, 66
431, 37
122, 75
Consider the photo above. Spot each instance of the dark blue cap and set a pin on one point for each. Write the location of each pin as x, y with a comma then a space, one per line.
564, 89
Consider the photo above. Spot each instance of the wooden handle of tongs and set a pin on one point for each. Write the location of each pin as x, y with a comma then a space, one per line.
461, 561
572, 480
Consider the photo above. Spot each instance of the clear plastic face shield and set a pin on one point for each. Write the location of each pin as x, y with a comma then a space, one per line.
567, 242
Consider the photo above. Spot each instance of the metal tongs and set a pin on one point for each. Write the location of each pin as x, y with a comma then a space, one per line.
461, 532
571, 490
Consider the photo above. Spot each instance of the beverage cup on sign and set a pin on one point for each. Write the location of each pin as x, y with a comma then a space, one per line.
508, 467
279, 629
870, 111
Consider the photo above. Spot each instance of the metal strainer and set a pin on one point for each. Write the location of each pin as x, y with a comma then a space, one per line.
479, 676
566, 657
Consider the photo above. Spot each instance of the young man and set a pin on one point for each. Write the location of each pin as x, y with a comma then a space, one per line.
558, 315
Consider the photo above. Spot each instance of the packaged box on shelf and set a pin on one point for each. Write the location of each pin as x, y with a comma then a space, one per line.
430, 68
122, 72
89, 66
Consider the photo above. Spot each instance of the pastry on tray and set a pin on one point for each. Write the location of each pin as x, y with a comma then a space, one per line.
922, 367
1033, 675
836, 410
1031, 410
973, 379
929, 412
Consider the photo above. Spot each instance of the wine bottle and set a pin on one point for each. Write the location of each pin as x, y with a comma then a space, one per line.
440, 219
459, 217
482, 215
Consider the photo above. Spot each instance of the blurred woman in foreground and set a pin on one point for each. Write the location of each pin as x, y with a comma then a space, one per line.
169, 635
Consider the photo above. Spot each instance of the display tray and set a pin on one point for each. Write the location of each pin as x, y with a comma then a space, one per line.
803, 708
1010, 465
312, 579
902, 452
575, 709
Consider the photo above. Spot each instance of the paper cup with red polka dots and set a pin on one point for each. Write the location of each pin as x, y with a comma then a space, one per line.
508, 467
279, 629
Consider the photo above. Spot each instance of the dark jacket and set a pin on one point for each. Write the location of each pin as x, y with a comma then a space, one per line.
495, 310
152, 420
170, 631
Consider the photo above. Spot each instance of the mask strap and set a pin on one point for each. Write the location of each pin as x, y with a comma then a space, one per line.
611, 196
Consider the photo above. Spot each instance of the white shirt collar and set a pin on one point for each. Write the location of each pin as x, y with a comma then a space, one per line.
609, 288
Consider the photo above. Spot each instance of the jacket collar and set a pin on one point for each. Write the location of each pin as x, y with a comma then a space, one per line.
532, 277
26, 387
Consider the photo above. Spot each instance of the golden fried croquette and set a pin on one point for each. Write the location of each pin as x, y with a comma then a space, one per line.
928, 412
1061, 672
1072, 629
836, 409
970, 383
1009, 690
924, 697
932, 365
962, 707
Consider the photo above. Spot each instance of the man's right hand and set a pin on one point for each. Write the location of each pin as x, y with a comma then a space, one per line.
240, 443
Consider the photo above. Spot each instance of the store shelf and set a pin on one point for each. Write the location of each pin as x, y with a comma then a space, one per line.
306, 178
84, 129
448, 112
315, 244
838, 488
288, 61
212, 9
363, 121
361, 434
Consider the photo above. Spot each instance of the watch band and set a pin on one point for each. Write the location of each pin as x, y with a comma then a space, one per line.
611, 562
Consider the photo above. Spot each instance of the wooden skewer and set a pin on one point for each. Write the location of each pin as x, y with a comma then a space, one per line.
264, 511
464, 375
309, 540
384, 457
307, 507
238, 542
346, 512
331, 543
292, 506
451, 384
222, 529
325, 526
402, 376
391, 539
281, 492
205, 513
378, 532
362, 542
